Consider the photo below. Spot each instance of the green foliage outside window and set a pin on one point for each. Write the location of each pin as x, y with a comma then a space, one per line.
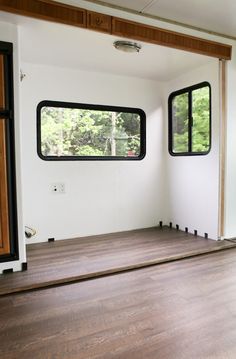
199, 126
201, 120
84, 132
180, 123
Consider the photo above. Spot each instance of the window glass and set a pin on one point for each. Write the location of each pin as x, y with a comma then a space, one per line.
180, 123
201, 119
67, 131
190, 120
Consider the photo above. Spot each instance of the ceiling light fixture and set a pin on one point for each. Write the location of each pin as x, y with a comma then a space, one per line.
127, 46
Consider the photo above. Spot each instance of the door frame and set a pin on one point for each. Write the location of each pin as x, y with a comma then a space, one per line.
6, 49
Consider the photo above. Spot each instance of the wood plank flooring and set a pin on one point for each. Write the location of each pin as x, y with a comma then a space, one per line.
77, 259
179, 310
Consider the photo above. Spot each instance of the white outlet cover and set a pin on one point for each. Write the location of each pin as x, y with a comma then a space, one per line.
58, 188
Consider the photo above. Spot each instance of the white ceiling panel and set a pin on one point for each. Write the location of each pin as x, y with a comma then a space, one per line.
212, 15
75, 48
215, 15
136, 5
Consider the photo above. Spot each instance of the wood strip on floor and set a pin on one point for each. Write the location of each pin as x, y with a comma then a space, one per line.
85, 258
179, 310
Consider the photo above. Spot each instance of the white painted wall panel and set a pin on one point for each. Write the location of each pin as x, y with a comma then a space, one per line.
101, 196
192, 181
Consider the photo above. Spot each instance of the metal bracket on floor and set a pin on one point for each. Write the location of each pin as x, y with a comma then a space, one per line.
24, 266
7, 271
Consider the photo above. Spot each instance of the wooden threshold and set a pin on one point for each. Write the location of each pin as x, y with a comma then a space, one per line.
75, 260
71, 15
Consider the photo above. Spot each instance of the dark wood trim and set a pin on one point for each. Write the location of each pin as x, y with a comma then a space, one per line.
71, 15
46, 10
2, 81
154, 35
4, 213
99, 22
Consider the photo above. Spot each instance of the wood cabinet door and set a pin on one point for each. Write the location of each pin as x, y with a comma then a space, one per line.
4, 215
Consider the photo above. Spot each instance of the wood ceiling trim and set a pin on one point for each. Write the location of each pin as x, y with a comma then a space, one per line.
71, 15
155, 35
46, 10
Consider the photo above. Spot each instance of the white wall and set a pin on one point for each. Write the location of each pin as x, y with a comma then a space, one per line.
230, 191
193, 181
9, 33
105, 197
101, 196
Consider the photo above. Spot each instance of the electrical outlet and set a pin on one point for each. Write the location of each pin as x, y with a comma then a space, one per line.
58, 188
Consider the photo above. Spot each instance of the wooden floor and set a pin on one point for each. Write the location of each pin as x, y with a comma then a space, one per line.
73, 260
180, 310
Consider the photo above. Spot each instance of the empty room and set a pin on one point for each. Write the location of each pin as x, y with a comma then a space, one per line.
117, 172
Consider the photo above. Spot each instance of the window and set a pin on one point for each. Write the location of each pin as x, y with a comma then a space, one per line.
68, 131
190, 120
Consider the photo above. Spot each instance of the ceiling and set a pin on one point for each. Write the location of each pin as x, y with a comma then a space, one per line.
212, 15
66, 46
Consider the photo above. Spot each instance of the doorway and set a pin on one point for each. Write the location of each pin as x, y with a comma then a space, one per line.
8, 211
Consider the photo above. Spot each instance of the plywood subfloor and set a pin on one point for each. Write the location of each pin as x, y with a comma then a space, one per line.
77, 259
178, 310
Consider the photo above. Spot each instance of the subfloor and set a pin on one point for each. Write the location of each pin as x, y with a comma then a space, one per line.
74, 260
179, 310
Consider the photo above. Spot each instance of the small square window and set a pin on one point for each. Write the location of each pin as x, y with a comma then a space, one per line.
68, 131
190, 120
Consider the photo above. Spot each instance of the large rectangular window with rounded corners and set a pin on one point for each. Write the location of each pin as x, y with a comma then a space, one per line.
190, 120
72, 131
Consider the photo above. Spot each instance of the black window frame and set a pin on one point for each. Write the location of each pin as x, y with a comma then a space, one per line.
140, 112
189, 91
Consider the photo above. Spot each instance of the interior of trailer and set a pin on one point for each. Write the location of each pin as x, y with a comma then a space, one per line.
117, 179
127, 214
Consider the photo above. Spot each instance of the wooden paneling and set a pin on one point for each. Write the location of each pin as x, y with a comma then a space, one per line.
4, 221
98, 22
4, 215
133, 30
57, 12
85, 258
181, 310
2, 81
46, 10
